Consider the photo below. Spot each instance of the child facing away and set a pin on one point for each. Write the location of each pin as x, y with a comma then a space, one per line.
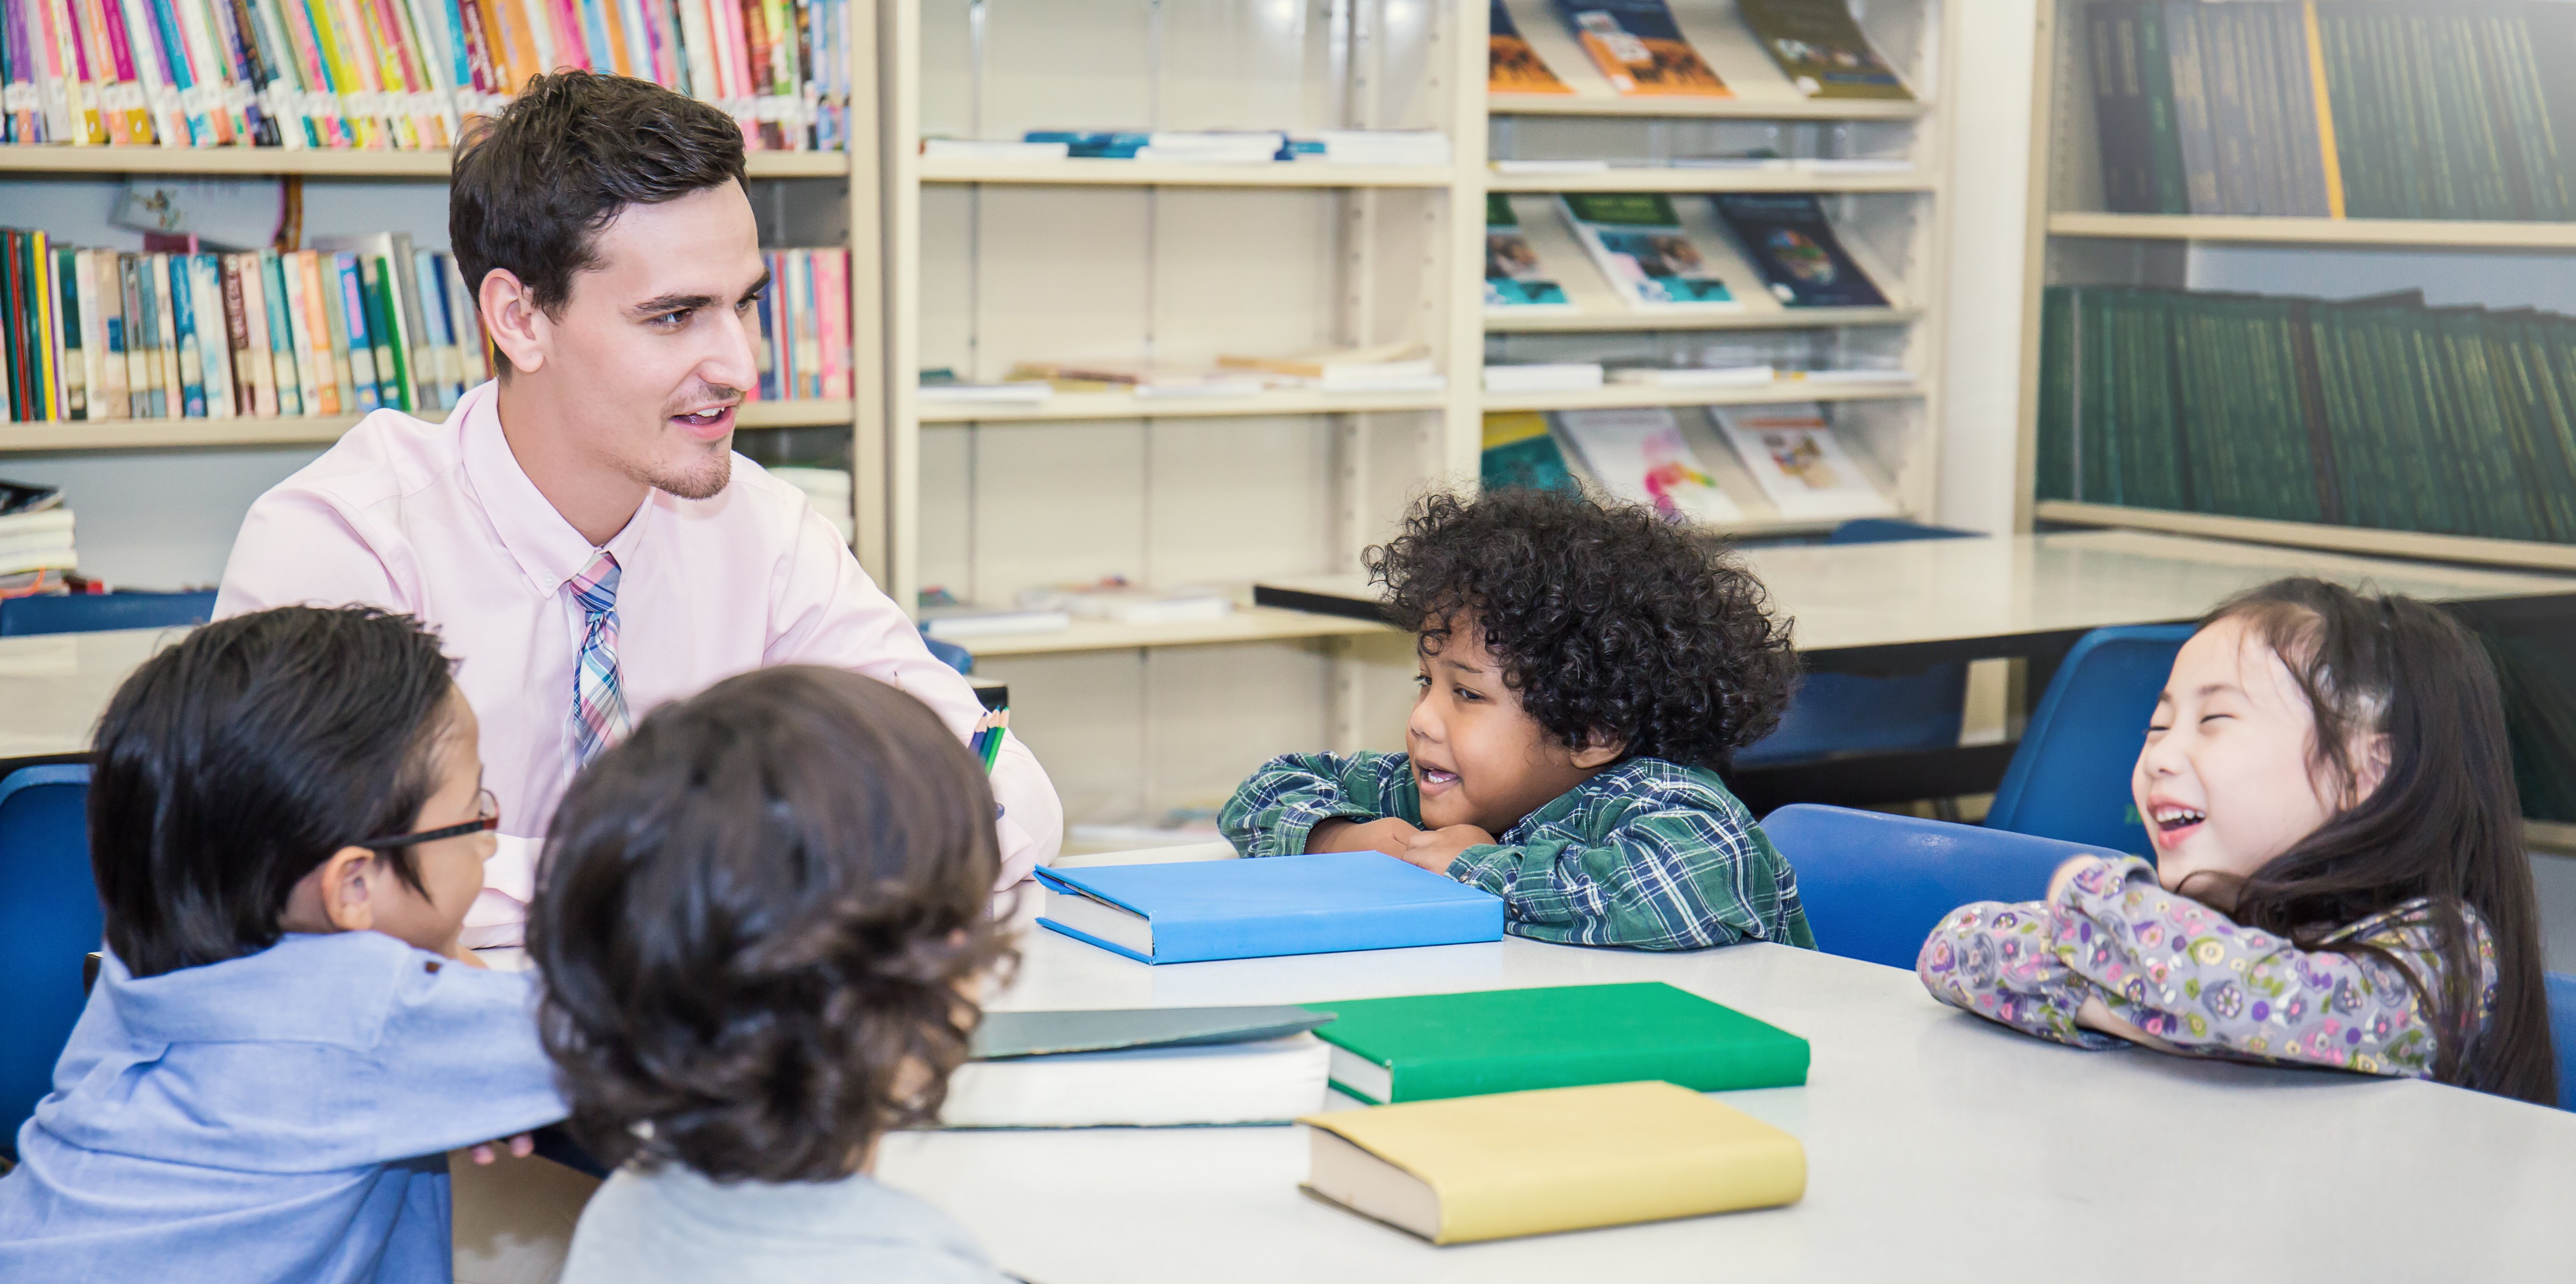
287, 822
2339, 876
1584, 670
761, 922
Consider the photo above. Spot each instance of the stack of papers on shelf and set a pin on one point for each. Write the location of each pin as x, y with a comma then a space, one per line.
1216, 147
1150, 1068
1550, 166
963, 621
1371, 147
1114, 599
1889, 374
831, 493
1558, 1159
1855, 164
35, 539
1392, 367
1142, 380
1553, 376
992, 149
1693, 376
942, 385
1194, 911
1795, 458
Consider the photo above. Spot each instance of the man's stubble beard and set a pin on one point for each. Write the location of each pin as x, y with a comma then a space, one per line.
704, 482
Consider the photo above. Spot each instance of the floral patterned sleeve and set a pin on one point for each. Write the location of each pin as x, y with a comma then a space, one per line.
2000, 961
2189, 976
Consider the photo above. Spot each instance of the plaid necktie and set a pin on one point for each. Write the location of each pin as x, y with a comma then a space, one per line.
598, 702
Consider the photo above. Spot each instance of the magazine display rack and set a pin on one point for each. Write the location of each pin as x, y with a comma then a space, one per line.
2076, 240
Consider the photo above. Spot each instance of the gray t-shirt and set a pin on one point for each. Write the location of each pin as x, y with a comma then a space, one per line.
675, 1225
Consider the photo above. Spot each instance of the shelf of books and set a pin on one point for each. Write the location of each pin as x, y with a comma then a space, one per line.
1791, 178
1765, 392
1106, 172
337, 163
2200, 168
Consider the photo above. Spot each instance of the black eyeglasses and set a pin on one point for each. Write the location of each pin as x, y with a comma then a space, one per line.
487, 817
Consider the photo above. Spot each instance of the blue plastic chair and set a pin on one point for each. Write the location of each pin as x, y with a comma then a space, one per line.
1855, 712
1875, 885
950, 654
2069, 779
2562, 1035
100, 612
49, 922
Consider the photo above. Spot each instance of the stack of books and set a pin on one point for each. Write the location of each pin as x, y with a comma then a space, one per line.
1144, 379
1642, 52
804, 350
1207, 147
405, 73
2453, 109
1115, 599
1371, 147
36, 554
356, 324
2377, 412
1392, 367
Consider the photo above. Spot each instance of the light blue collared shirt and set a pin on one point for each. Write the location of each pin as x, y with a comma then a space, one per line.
283, 1116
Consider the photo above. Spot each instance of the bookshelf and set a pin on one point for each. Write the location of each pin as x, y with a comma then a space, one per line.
351, 163
993, 262
2076, 240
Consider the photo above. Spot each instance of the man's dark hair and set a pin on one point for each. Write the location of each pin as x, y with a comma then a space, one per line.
1609, 621
756, 918
536, 182
232, 764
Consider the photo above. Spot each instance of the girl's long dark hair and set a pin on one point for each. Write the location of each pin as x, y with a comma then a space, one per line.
2444, 823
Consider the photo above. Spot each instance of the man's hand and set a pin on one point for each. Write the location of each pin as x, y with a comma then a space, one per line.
521, 1146
1337, 835
1433, 849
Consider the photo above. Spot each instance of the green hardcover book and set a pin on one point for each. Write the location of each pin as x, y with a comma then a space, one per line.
2164, 127
1429, 1046
2054, 469
2356, 142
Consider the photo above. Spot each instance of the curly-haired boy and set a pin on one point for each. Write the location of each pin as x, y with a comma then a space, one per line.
1584, 668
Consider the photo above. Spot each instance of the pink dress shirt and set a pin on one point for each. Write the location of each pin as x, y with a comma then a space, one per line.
437, 521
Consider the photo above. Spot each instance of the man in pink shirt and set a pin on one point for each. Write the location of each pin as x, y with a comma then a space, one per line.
579, 531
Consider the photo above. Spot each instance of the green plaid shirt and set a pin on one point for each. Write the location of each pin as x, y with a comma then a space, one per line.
1648, 854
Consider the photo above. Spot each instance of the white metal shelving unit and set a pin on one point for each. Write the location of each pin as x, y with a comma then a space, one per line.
990, 263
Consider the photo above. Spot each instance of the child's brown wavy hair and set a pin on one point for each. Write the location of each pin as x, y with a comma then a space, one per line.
760, 920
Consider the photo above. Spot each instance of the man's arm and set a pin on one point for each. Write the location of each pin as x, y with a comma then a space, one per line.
825, 610
297, 549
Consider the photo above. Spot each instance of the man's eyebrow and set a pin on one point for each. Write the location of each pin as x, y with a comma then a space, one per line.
756, 287
661, 303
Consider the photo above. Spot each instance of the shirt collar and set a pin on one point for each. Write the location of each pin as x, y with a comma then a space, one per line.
546, 547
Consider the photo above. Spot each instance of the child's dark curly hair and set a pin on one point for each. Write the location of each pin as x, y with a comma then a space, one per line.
1608, 620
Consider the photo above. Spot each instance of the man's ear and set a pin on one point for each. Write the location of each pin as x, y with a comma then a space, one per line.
1599, 750
519, 328
346, 897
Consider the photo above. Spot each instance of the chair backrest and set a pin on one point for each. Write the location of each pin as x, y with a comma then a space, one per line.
2562, 1035
2070, 777
49, 920
100, 612
1888, 530
949, 653
1875, 885
1851, 712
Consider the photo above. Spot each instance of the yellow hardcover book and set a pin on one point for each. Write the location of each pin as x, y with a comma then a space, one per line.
328, 377
1533, 1163
49, 342
2325, 110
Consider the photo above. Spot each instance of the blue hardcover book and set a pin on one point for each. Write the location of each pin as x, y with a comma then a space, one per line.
1194, 911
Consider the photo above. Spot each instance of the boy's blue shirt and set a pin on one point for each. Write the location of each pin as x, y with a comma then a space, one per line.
281, 1116
1647, 853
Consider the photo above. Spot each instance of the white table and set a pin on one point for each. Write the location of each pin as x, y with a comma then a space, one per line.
1932, 601
53, 688
1939, 1147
